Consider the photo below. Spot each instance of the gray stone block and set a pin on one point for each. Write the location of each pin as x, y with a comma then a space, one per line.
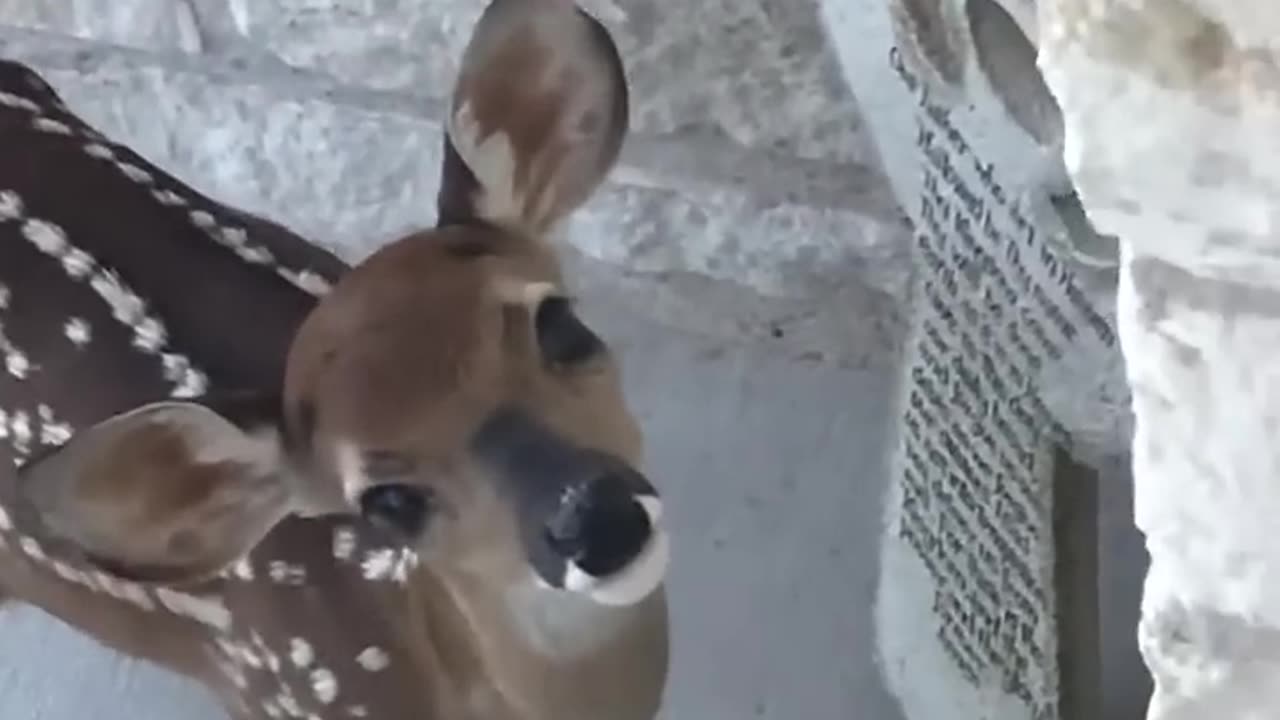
756, 72
158, 24
352, 172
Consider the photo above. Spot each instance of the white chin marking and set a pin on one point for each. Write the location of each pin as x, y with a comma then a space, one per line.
636, 581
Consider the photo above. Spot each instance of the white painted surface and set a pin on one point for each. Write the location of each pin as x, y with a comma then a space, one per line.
1192, 191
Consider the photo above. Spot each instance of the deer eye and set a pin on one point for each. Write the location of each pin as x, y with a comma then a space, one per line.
563, 339
401, 509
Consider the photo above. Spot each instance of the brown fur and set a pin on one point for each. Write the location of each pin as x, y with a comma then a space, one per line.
404, 359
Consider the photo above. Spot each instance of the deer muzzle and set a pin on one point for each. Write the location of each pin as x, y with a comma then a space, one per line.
590, 523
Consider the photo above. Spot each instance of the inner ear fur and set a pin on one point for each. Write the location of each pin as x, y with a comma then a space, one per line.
538, 117
168, 492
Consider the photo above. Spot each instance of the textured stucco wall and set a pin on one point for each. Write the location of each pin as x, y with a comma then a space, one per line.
1193, 195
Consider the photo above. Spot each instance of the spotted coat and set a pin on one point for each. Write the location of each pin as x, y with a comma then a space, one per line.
121, 285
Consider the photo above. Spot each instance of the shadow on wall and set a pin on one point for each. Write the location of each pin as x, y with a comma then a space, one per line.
1122, 566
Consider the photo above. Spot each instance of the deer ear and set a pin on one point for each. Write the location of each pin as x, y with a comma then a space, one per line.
168, 492
538, 116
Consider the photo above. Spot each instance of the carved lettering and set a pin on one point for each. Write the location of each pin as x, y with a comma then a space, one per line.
996, 305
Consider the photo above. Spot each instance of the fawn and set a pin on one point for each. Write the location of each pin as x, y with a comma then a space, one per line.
404, 489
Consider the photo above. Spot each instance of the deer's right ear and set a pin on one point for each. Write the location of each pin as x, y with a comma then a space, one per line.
169, 492
538, 117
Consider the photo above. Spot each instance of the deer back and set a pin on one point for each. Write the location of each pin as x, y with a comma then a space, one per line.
121, 286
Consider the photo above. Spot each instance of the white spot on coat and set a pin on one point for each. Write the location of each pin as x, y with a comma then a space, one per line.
117, 588
126, 306
389, 564
10, 205
243, 569
288, 703
49, 125
205, 610
234, 674
378, 564
100, 151
47, 237
405, 564
16, 362
149, 334
178, 370
17, 101
344, 543
308, 281
168, 198
53, 432
202, 219
301, 653
286, 574
134, 173
325, 685
77, 263
68, 573
78, 331
6, 522
20, 431
32, 548
6, 296
374, 659
269, 658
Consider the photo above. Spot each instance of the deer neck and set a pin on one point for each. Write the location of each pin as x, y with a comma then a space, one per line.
525, 651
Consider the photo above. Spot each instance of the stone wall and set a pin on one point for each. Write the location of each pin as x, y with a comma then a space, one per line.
1172, 116
748, 165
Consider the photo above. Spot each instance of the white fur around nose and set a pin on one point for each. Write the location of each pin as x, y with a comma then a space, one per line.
636, 581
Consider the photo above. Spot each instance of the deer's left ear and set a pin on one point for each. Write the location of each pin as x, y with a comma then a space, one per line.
168, 492
538, 117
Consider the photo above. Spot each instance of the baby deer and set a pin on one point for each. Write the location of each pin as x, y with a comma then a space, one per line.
414, 497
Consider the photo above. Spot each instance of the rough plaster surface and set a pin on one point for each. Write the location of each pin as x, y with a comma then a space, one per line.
1193, 197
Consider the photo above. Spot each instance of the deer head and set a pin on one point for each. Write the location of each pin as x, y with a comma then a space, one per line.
445, 389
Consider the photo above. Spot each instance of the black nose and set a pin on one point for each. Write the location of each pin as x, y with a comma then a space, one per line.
599, 526
402, 509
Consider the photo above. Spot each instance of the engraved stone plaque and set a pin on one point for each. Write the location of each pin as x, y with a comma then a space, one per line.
1012, 298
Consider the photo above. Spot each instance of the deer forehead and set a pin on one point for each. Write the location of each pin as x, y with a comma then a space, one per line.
416, 334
